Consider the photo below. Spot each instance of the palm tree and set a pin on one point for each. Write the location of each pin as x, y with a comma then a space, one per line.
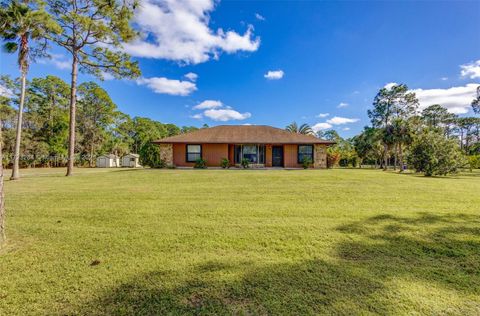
24, 24
401, 135
304, 129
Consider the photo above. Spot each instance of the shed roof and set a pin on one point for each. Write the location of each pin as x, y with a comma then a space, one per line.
111, 156
132, 155
243, 134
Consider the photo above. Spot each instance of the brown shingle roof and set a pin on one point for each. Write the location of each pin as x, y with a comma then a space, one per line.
243, 134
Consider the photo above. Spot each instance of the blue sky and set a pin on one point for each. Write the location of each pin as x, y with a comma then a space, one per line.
323, 58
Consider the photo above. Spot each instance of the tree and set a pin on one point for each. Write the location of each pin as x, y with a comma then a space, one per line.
8, 114
304, 129
436, 116
468, 127
476, 102
390, 103
368, 145
96, 115
4, 103
47, 106
93, 32
24, 28
150, 156
401, 136
433, 154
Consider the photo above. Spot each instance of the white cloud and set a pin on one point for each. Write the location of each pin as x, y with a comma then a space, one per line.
5, 92
456, 99
179, 30
342, 105
58, 60
389, 85
274, 74
191, 76
444, 78
346, 129
198, 116
260, 17
107, 76
471, 70
322, 115
337, 120
208, 104
168, 86
321, 126
226, 115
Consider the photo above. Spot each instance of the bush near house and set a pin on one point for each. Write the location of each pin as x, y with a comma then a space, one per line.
307, 163
245, 163
200, 164
225, 163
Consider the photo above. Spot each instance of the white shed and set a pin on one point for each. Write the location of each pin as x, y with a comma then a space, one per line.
131, 161
108, 161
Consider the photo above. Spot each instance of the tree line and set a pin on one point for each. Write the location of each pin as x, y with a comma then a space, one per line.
432, 140
100, 126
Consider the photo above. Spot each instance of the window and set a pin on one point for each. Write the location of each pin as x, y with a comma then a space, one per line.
254, 153
250, 153
305, 151
194, 152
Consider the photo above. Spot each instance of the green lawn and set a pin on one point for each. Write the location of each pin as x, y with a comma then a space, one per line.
241, 242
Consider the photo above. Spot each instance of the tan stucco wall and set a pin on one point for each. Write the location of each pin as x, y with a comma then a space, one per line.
166, 153
320, 156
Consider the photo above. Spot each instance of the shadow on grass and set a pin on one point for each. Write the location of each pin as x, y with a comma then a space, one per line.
434, 249
312, 287
440, 249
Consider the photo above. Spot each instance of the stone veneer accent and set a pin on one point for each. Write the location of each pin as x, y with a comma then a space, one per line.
320, 156
166, 153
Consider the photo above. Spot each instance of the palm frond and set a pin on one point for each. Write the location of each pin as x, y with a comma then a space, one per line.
10, 47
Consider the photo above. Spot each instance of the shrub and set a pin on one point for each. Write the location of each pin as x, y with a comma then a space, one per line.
306, 162
332, 159
474, 162
150, 156
245, 163
433, 154
225, 163
200, 164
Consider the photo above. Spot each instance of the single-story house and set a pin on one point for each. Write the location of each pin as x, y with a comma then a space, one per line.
263, 146
131, 161
108, 161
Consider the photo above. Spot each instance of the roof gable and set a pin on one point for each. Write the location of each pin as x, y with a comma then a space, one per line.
243, 134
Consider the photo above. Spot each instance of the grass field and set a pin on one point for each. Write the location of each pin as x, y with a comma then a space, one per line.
241, 242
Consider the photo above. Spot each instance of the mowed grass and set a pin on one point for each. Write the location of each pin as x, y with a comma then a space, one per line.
113, 242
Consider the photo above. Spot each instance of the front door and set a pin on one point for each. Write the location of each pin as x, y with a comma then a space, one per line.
277, 156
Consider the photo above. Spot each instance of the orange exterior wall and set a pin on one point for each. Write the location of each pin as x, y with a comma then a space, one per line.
290, 156
268, 155
212, 153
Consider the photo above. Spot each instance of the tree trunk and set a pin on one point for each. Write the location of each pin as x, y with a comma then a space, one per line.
395, 157
2, 196
18, 138
90, 162
73, 100
400, 157
385, 157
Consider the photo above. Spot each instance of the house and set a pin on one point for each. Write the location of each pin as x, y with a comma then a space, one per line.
131, 160
108, 161
263, 146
